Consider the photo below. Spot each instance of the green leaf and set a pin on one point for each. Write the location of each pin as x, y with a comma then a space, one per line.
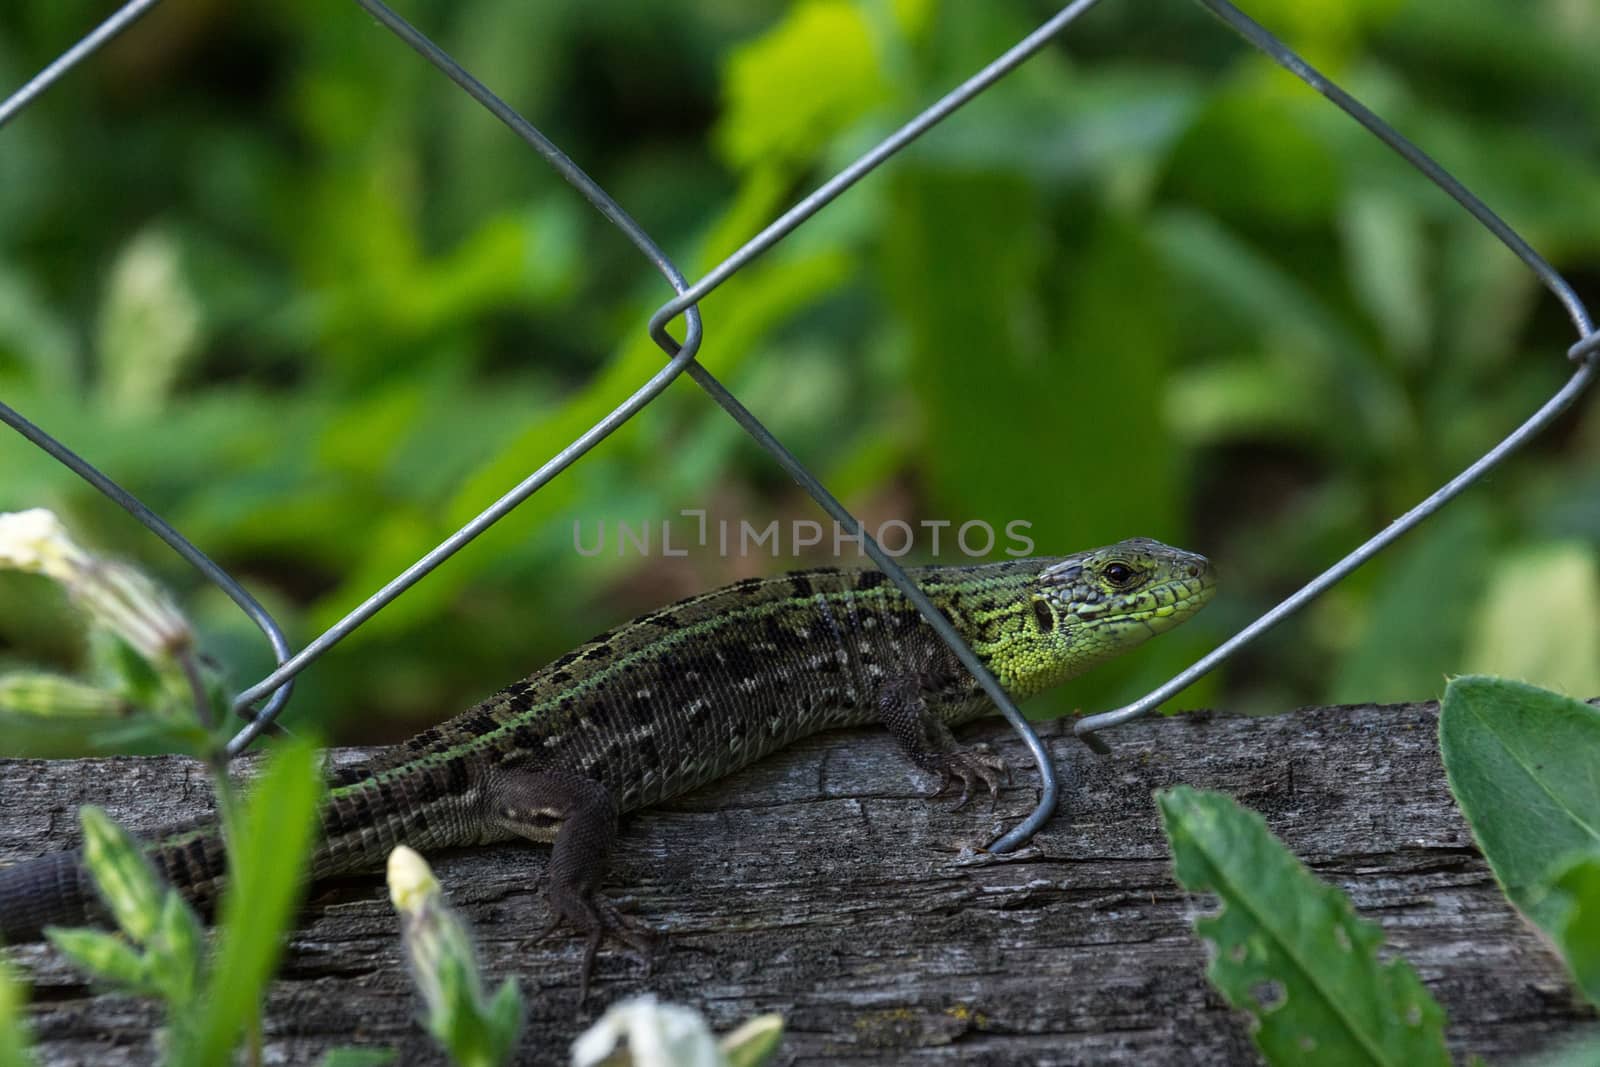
475, 1031
825, 45
40, 693
475, 1034
1291, 951
1386, 249
1540, 619
754, 1042
358, 1057
266, 875
106, 956
1577, 933
1521, 763
13, 1030
50, 738
1293, 322
175, 953
125, 670
149, 736
1420, 609
121, 874
504, 1018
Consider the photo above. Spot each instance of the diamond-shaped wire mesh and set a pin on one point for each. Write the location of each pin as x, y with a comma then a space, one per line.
262, 701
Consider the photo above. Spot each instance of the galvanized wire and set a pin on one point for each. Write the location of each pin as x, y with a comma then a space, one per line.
275, 687
120, 20
1584, 353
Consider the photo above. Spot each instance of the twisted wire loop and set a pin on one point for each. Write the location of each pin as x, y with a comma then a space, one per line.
1588, 344
682, 355
12, 106
1586, 348
275, 688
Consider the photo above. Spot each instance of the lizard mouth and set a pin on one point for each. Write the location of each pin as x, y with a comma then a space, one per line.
1160, 606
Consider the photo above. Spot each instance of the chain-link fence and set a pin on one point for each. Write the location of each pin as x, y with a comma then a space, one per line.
261, 703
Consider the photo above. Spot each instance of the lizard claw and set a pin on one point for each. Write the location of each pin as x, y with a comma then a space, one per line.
969, 766
596, 917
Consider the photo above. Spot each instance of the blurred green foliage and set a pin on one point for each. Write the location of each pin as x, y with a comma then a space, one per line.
316, 307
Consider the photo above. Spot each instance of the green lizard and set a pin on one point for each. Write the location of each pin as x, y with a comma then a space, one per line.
684, 695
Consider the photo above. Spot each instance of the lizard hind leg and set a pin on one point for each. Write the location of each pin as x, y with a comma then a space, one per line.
578, 817
927, 740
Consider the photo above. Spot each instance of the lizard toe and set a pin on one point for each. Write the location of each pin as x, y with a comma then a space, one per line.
971, 766
596, 918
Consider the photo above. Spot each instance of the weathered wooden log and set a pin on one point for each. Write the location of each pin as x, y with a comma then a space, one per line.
822, 885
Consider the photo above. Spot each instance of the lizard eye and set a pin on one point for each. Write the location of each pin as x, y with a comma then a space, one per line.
1118, 574
1043, 615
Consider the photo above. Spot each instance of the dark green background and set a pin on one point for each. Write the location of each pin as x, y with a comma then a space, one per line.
287, 284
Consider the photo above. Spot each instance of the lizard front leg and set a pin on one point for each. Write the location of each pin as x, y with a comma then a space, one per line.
578, 817
928, 741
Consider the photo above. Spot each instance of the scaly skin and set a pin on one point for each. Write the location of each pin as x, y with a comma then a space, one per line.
682, 696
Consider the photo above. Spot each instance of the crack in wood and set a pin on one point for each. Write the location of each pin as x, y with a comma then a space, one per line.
815, 885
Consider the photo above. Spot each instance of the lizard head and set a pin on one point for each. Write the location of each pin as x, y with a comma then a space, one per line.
1082, 609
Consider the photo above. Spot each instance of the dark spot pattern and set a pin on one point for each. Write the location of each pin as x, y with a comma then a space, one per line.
730, 675
872, 579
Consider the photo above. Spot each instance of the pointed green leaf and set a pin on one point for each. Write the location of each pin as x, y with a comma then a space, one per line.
1386, 251
358, 1057
826, 45
1521, 762
121, 874
40, 693
266, 872
1577, 932
107, 957
1291, 951
504, 1018
176, 951
754, 1042
13, 1030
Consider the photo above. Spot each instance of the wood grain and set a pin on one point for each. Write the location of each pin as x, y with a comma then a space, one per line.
820, 884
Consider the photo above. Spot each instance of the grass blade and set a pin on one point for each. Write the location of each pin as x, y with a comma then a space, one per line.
267, 862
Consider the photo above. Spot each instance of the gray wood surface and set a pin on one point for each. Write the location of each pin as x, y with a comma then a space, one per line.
820, 884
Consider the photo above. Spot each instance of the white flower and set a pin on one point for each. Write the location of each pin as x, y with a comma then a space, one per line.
658, 1035
114, 594
133, 607
36, 542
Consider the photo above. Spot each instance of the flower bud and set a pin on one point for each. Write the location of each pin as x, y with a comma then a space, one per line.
475, 1030
115, 595
54, 696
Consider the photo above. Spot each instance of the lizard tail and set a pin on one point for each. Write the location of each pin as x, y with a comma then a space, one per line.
57, 889
53, 890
